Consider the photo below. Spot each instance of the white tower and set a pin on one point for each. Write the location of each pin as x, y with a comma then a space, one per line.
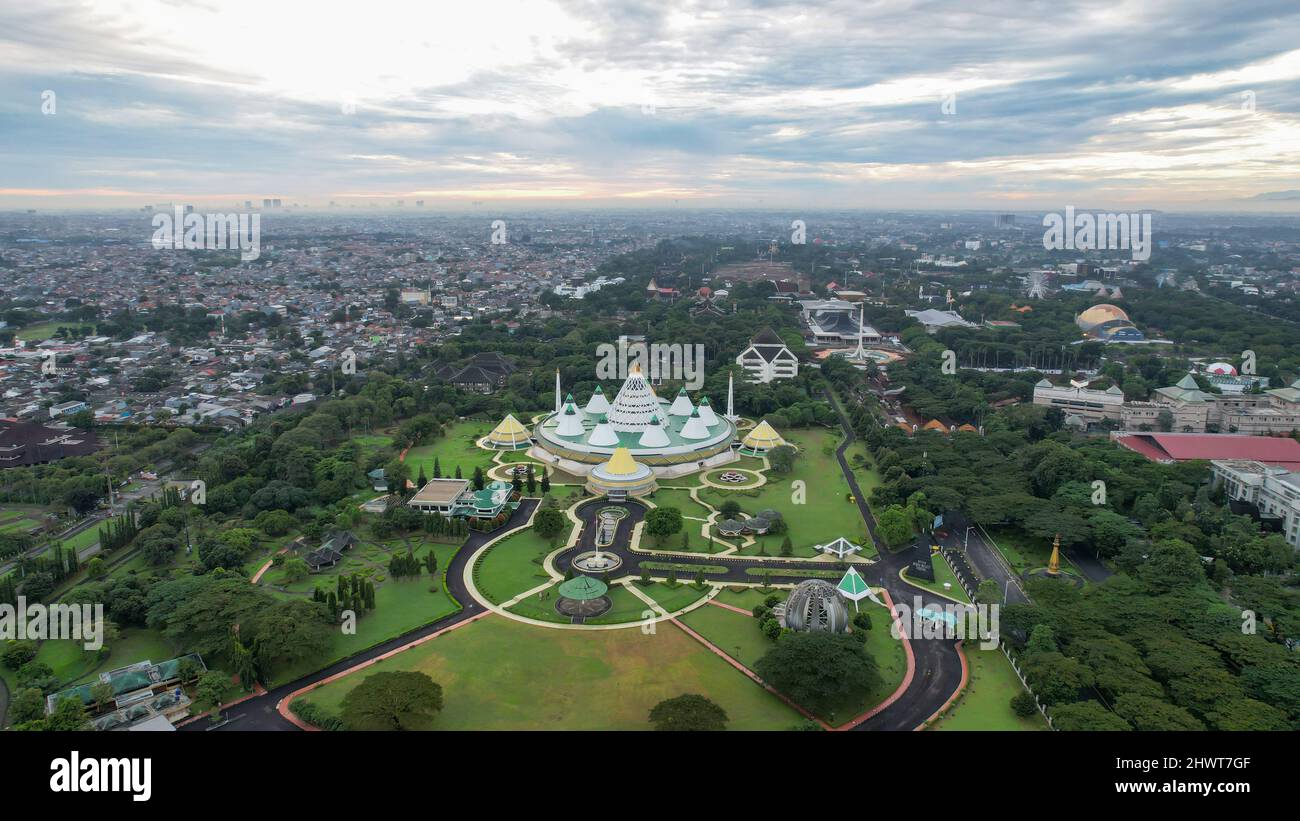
860, 353
731, 409
557, 390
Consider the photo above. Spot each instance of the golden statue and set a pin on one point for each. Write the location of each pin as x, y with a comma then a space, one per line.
1054, 564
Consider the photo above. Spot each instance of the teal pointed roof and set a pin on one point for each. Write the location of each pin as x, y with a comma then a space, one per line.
1188, 383
852, 585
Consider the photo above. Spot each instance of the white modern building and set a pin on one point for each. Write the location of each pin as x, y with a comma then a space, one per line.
768, 358
1273, 491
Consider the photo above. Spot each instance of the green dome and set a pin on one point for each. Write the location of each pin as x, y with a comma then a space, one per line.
583, 588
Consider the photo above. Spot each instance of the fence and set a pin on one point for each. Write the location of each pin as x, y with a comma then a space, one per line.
968, 585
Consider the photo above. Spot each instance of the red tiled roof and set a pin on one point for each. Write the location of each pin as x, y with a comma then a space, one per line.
1182, 447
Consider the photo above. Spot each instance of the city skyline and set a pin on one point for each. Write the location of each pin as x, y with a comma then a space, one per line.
701, 105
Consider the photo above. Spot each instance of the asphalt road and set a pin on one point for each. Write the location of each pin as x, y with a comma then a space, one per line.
938, 665
259, 713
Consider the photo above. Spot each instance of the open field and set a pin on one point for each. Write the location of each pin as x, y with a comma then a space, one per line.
739, 636
825, 514
455, 448
497, 674
986, 702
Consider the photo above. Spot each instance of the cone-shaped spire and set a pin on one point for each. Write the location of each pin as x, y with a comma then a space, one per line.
706, 413
695, 427
635, 404
509, 434
597, 404
681, 405
763, 438
654, 436
570, 422
603, 436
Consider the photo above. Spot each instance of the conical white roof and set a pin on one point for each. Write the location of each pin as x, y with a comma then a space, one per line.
654, 436
682, 404
570, 422
695, 427
603, 436
706, 412
597, 404
635, 404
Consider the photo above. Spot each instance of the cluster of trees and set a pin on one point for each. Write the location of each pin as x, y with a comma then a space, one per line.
1161, 644
351, 593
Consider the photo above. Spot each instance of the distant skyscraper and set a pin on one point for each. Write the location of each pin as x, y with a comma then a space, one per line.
1006, 220
419, 203
266, 203
275, 203
248, 205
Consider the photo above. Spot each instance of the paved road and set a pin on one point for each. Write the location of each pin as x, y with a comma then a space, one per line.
1090, 566
259, 713
984, 559
938, 664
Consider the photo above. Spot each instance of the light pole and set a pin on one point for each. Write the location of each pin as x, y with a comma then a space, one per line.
966, 541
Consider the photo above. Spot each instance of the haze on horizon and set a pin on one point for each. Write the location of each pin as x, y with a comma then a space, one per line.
567, 103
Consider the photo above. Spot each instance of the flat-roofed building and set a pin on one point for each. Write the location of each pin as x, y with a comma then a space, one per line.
1089, 405
439, 496
1272, 492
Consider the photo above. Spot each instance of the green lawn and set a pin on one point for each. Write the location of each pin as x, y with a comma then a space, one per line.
512, 566
942, 573
400, 605
986, 702
455, 448
82, 540
740, 638
1024, 552
825, 513
498, 674
673, 599
746, 598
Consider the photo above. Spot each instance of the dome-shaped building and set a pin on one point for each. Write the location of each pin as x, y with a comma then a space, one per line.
1108, 323
815, 604
1100, 314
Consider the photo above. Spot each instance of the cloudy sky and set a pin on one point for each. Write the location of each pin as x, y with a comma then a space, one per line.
845, 103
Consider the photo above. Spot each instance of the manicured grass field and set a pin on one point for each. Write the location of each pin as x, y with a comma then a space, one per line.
747, 598
497, 674
512, 566
1024, 552
986, 702
82, 540
942, 573
401, 605
739, 636
455, 448
44, 330
736, 635
673, 599
825, 513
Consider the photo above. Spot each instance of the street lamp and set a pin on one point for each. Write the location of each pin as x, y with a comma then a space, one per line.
966, 541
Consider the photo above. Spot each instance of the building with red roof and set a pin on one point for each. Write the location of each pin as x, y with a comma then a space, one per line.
1185, 447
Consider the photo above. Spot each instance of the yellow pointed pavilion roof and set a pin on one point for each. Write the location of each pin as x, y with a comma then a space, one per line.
621, 463
509, 432
763, 436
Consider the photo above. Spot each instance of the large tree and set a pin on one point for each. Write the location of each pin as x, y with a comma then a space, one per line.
688, 712
821, 671
401, 700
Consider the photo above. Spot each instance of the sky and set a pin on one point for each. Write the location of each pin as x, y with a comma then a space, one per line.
574, 103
